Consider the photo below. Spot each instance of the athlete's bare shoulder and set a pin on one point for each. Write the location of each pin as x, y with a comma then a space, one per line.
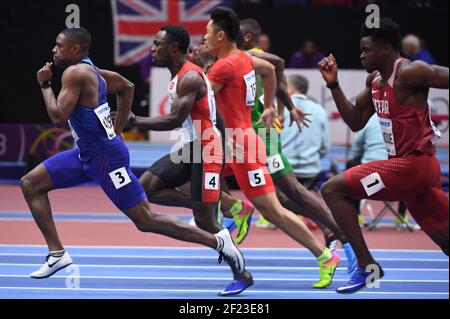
191, 82
77, 72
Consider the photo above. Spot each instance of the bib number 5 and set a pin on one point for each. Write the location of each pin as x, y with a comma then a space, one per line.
256, 178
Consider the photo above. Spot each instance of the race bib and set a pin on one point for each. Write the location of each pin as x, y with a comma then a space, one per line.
372, 184
256, 178
212, 181
120, 177
275, 164
250, 83
104, 117
388, 136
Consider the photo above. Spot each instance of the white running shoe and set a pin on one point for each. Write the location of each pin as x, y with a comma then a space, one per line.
52, 264
229, 251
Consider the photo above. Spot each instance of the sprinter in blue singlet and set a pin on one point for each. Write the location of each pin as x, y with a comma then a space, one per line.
100, 155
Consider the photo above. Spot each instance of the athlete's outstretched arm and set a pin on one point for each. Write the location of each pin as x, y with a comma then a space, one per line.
421, 74
60, 109
355, 116
124, 90
296, 114
190, 88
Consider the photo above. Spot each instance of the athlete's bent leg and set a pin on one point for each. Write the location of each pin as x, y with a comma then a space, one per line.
148, 221
307, 202
269, 206
158, 193
339, 200
434, 222
35, 187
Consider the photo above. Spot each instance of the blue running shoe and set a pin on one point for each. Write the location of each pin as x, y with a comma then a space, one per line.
357, 281
236, 287
351, 258
229, 224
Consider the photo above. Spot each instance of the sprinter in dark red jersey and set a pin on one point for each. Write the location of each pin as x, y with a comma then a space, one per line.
397, 90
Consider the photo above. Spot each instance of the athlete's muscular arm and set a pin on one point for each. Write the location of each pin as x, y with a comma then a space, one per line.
190, 88
60, 109
124, 90
277, 62
421, 74
355, 116
267, 72
281, 91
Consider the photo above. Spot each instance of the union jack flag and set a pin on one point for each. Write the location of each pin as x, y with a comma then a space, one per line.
136, 23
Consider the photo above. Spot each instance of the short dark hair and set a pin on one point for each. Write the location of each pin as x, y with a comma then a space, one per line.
80, 36
252, 25
298, 82
179, 35
389, 31
227, 20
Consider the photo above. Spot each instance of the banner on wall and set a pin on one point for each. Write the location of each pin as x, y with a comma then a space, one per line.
26, 145
352, 82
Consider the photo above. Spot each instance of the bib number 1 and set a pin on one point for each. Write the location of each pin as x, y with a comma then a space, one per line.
372, 184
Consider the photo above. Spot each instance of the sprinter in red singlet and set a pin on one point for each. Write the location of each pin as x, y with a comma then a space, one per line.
397, 90
233, 80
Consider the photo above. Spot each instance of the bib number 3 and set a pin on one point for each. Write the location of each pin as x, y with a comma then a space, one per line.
120, 177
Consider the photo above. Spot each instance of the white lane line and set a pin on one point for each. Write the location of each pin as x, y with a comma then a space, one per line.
208, 249
211, 290
219, 278
217, 267
213, 257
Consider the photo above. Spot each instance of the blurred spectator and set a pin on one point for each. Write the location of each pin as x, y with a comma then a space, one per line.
307, 57
414, 49
368, 144
305, 150
264, 42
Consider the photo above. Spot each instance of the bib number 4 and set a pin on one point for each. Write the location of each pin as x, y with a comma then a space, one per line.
212, 181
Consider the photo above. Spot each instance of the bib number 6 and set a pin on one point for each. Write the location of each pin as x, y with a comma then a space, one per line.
275, 164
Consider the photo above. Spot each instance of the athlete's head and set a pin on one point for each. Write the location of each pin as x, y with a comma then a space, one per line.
378, 44
171, 42
251, 30
201, 56
71, 46
222, 29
